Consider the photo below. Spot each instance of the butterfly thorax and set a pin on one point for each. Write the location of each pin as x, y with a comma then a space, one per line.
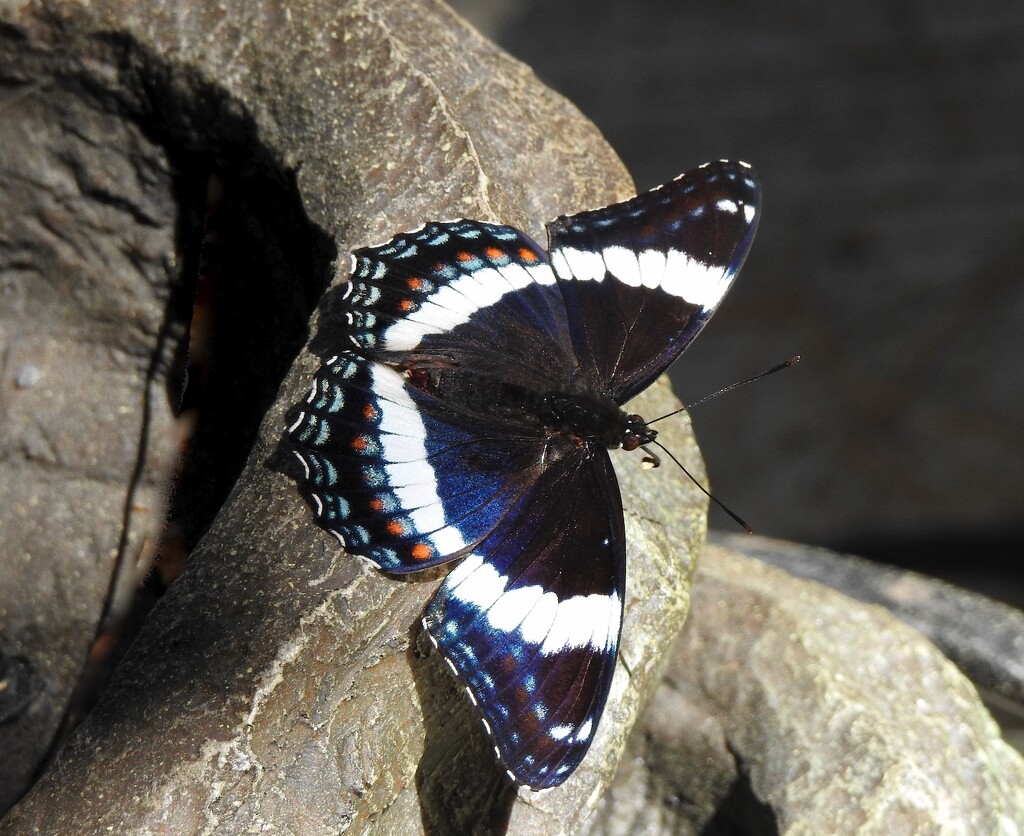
594, 419
582, 417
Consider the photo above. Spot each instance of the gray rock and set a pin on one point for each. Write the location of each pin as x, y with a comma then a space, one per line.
983, 637
276, 684
86, 433
786, 704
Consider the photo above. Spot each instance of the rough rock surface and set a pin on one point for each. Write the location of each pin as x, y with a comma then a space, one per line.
277, 683
983, 637
87, 275
788, 705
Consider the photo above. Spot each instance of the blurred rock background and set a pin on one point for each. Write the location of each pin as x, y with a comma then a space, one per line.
889, 138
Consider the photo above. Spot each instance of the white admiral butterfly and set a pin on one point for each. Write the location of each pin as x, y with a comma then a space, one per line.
468, 413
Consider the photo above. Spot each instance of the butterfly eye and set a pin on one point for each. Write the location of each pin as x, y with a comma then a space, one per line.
637, 433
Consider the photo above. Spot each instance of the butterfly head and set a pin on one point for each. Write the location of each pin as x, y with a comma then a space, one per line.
637, 433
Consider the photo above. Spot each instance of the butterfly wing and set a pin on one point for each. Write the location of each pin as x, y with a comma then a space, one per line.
641, 278
530, 620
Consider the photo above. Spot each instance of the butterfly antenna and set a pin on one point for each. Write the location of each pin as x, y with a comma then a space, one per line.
785, 364
704, 490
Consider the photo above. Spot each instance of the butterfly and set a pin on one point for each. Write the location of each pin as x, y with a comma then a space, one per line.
467, 414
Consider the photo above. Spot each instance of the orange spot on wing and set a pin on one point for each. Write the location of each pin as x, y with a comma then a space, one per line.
376, 504
414, 283
526, 254
421, 551
396, 528
405, 305
359, 443
369, 412
493, 252
465, 256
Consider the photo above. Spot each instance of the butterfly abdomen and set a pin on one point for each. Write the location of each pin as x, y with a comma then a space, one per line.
482, 395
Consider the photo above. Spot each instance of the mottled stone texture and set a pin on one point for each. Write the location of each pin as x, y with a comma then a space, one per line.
87, 277
787, 704
277, 684
982, 637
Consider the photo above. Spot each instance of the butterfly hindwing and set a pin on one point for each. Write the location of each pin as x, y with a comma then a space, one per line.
530, 620
397, 483
641, 278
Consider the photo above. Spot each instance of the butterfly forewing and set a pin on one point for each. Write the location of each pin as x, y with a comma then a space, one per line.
641, 278
474, 296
